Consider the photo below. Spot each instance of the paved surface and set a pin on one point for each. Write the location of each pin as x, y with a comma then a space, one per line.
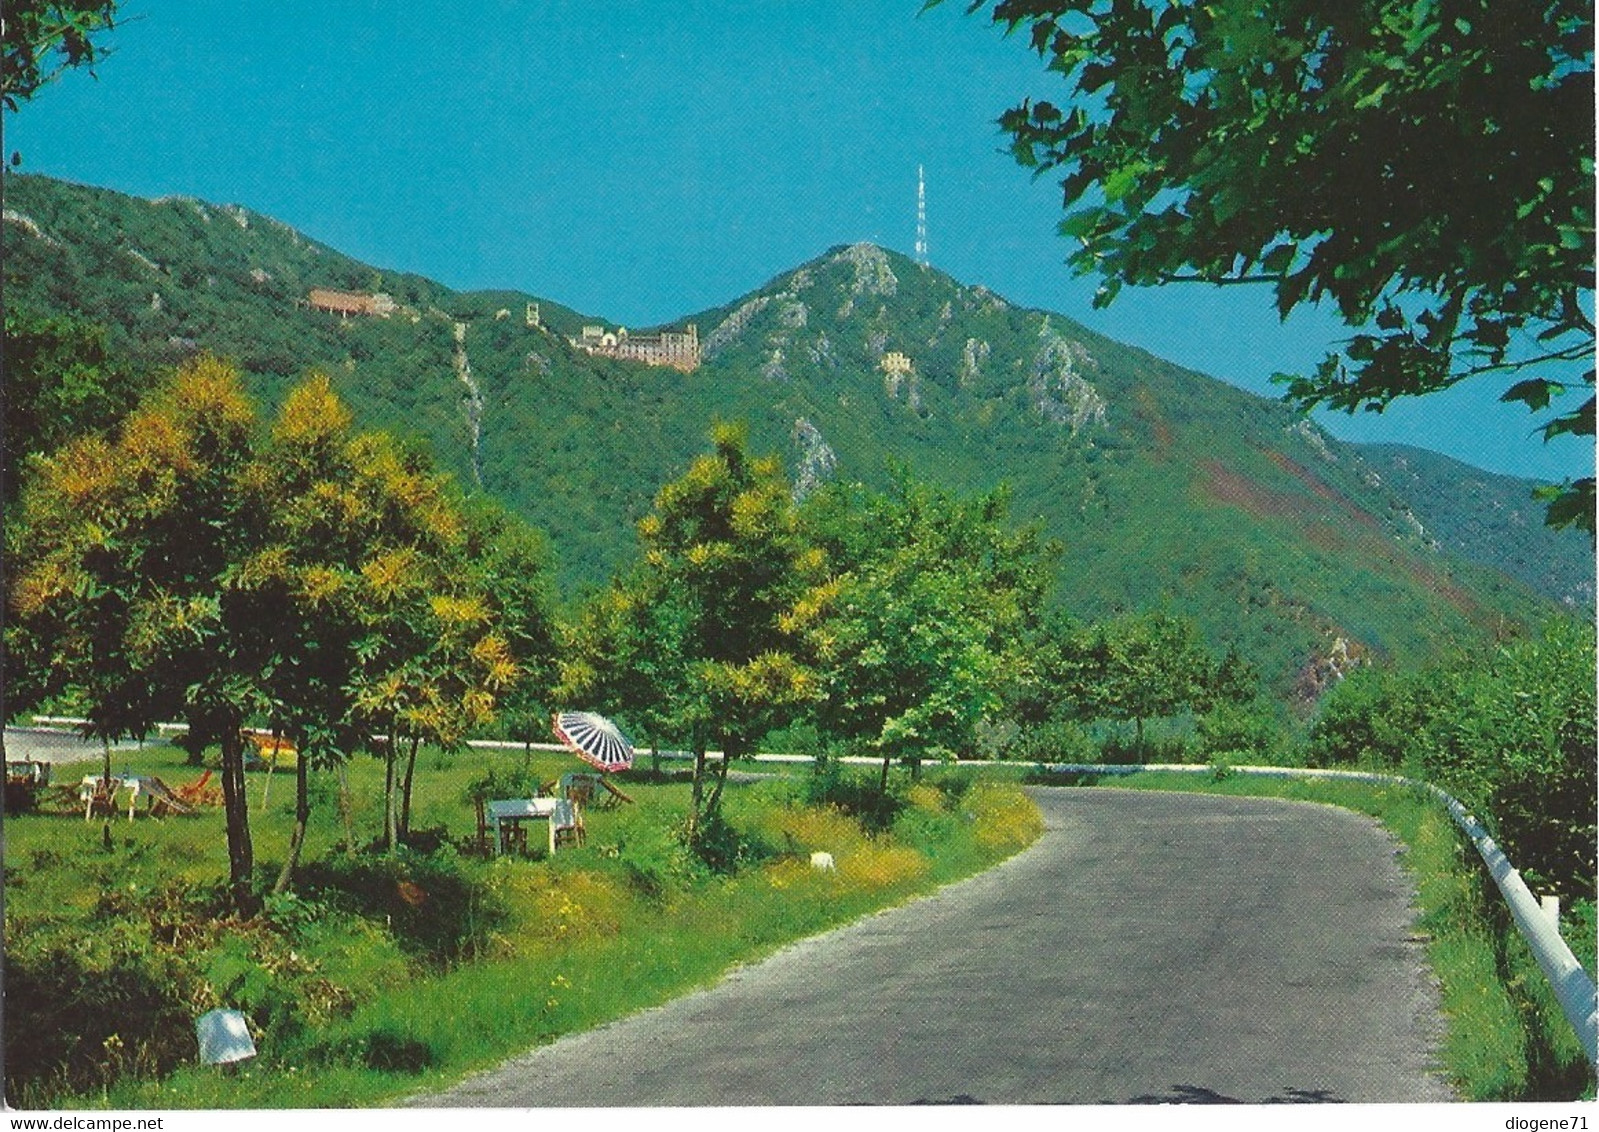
56, 746
1149, 948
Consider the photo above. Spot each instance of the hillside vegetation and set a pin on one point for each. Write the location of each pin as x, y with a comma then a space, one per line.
1169, 489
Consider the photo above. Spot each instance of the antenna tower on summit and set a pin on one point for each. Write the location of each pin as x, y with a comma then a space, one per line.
921, 218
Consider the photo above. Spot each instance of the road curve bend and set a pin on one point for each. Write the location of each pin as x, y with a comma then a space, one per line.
1150, 947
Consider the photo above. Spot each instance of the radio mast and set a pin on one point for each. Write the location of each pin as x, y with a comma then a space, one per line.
921, 218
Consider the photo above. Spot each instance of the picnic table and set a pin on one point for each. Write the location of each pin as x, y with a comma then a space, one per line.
508, 820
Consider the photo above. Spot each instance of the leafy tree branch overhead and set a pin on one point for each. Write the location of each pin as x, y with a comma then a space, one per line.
1424, 165
44, 38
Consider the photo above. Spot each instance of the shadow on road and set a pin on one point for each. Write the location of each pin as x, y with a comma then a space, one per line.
1198, 1094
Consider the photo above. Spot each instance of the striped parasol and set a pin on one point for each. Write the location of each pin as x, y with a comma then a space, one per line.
594, 739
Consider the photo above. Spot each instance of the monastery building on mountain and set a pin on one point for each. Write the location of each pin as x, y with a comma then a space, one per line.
346, 303
680, 351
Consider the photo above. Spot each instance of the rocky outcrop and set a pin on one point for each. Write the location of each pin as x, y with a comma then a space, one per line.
1324, 670
972, 359
1314, 437
29, 225
773, 369
732, 327
472, 402
873, 275
817, 461
1056, 385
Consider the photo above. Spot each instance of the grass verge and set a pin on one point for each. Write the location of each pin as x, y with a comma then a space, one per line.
1506, 1038
389, 976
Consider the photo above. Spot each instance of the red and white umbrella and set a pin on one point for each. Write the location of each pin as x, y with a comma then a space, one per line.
594, 739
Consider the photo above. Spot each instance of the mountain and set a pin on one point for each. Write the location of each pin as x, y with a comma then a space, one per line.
1167, 487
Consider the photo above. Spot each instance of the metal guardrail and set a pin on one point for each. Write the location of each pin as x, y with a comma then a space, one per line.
1573, 986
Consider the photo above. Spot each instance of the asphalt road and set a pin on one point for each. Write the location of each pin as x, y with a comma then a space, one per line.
1149, 948
56, 746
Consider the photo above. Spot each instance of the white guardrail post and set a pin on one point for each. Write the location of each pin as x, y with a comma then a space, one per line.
1573, 986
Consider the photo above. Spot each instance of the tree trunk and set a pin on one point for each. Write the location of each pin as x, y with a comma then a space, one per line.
721, 781
698, 789
347, 809
302, 815
105, 743
882, 783
1138, 735
241, 855
388, 793
410, 771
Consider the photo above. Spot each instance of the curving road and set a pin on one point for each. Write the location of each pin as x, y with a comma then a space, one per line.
1148, 948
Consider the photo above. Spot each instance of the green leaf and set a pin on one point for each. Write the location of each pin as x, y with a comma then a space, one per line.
1535, 393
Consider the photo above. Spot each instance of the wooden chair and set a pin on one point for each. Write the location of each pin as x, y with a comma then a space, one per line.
566, 824
100, 794
579, 788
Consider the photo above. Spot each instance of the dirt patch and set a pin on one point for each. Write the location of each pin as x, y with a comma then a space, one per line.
1148, 410
1251, 495
1348, 528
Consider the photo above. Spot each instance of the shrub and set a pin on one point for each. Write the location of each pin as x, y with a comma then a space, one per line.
1119, 749
855, 795
389, 1051
1056, 742
1514, 739
1371, 719
438, 909
1246, 733
723, 848
81, 1013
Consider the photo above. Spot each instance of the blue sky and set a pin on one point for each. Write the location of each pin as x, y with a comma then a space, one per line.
641, 161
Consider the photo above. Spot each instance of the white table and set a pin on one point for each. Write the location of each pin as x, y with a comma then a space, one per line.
512, 812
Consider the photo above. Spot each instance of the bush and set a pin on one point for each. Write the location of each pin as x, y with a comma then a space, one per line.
1511, 734
722, 848
81, 1013
1055, 742
1514, 739
437, 908
1245, 733
856, 795
1122, 749
503, 779
1371, 719
389, 1051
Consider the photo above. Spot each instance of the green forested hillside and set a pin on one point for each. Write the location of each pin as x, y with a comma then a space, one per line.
1486, 518
1168, 488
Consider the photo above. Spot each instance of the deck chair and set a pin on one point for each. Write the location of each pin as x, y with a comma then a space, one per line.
164, 800
613, 797
199, 793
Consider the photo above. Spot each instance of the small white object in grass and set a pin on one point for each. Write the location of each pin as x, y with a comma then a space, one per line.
823, 861
224, 1037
